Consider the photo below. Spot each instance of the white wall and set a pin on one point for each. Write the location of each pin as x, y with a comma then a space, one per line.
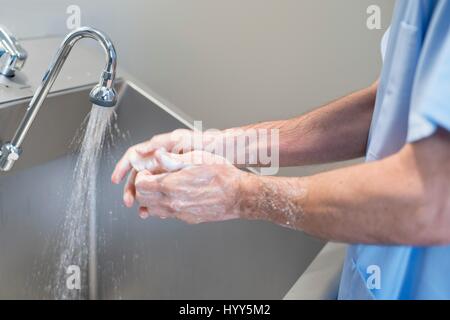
229, 62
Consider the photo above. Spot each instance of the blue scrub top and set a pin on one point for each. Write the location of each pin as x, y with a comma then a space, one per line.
413, 100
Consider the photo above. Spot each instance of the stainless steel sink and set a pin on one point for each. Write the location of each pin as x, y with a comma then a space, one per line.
139, 259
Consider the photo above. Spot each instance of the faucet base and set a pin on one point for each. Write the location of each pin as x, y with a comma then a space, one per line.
9, 154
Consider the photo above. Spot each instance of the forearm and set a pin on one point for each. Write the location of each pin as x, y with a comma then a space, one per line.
353, 205
335, 132
392, 201
341, 206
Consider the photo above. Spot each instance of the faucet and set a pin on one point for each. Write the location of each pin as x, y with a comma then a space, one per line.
12, 55
103, 94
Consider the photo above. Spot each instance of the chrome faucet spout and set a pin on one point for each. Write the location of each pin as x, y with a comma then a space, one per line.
102, 94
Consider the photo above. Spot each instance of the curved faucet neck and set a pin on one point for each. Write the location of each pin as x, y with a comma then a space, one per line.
10, 152
109, 72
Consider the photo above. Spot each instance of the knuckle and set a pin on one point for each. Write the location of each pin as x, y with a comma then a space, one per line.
189, 219
167, 187
174, 205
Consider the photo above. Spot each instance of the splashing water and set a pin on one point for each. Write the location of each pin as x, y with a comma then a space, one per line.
77, 245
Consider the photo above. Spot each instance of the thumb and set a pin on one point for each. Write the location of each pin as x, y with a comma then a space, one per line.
170, 162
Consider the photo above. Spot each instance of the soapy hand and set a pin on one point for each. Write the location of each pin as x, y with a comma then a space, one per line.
195, 187
179, 141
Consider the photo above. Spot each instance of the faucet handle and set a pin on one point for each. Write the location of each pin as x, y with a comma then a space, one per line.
12, 55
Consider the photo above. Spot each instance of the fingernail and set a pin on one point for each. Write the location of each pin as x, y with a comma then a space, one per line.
143, 215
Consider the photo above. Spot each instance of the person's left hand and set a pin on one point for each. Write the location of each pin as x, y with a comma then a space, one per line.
195, 187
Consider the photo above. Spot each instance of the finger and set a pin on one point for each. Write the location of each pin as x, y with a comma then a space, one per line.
189, 218
159, 213
144, 213
132, 160
155, 143
159, 162
149, 146
122, 167
141, 163
147, 184
129, 192
177, 141
199, 158
148, 197
170, 162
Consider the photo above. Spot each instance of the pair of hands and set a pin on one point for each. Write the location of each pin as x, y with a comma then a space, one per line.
194, 186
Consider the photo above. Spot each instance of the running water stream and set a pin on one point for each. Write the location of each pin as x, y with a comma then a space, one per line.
77, 243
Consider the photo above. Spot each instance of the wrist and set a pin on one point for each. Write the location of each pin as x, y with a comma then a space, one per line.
273, 199
249, 194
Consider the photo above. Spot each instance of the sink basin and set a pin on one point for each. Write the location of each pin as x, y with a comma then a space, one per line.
135, 259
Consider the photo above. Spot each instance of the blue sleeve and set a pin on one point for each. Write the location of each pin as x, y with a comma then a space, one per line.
430, 102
